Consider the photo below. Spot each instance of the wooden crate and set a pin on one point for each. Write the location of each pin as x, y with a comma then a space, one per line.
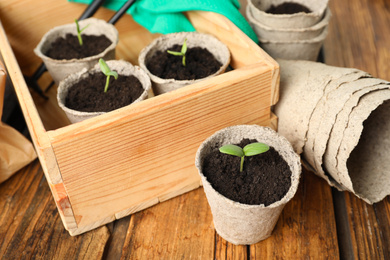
121, 162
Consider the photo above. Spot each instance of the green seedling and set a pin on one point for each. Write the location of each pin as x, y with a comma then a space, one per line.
248, 150
80, 31
182, 52
108, 72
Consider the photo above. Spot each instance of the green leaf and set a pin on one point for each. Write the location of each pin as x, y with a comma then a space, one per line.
104, 67
184, 47
84, 28
255, 148
108, 72
112, 73
176, 53
232, 149
79, 31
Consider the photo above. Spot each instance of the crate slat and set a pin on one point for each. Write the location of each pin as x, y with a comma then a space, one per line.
113, 165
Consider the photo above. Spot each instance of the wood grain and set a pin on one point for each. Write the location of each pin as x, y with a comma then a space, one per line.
306, 228
362, 41
135, 160
30, 227
180, 229
153, 144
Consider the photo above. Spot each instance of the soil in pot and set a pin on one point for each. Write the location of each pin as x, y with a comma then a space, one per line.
288, 8
69, 47
200, 63
265, 179
88, 94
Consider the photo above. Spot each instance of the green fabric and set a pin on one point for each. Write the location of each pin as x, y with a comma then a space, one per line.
165, 16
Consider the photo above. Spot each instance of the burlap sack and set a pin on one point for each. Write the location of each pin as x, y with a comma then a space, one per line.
15, 150
236, 222
59, 69
121, 67
194, 39
288, 34
297, 20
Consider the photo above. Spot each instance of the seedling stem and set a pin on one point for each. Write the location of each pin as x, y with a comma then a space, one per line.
79, 32
182, 52
248, 150
108, 72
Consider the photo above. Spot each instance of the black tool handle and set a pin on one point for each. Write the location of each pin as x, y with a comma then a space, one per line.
121, 12
91, 9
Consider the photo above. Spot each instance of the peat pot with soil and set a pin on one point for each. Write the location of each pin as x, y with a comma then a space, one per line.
175, 60
249, 173
69, 48
293, 30
108, 86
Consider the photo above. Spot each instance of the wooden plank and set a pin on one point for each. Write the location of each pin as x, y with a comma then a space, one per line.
306, 229
33, 121
361, 41
181, 228
41, 17
30, 227
365, 233
243, 50
147, 164
382, 212
226, 250
63, 204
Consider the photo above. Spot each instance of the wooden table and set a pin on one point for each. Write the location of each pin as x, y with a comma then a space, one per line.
319, 223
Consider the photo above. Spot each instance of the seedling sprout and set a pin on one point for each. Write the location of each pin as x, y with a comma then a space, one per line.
248, 150
182, 52
108, 72
80, 31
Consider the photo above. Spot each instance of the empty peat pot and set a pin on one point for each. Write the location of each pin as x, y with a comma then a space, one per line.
236, 222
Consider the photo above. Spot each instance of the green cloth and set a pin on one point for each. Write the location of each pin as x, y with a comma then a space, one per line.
165, 16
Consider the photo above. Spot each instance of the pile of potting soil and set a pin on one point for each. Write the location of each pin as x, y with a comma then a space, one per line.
339, 120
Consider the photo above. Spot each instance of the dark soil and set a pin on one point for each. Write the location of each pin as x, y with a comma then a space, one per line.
200, 63
88, 94
69, 47
266, 177
288, 8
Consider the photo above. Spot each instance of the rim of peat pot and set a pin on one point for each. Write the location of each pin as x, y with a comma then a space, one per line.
59, 69
241, 223
120, 66
194, 39
296, 20
288, 34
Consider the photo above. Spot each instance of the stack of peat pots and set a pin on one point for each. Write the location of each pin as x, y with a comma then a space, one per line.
293, 30
339, 120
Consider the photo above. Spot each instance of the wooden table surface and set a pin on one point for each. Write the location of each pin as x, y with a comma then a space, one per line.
319, 223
